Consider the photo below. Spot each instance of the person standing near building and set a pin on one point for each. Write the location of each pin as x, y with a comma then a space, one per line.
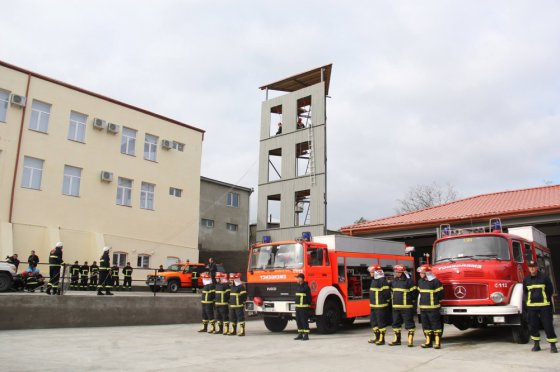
237, 298
93, 276
84, 276
221, 303
33, 260
379, 301
14, 260
127, 273
55, 263
74, 275
115, 277
212, 269
537, 295
404, 301
431, 294
105, 281
207, 302
303, 302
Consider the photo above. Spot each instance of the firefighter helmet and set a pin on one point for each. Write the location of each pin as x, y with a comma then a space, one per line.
424, 268
235, 275
399, 268
205, 275
374, 268
220, 276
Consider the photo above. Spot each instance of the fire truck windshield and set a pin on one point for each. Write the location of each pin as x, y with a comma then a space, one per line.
472, 247
268, 257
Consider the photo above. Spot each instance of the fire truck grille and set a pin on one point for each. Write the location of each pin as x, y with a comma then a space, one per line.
465, 291
272, 291
473, 274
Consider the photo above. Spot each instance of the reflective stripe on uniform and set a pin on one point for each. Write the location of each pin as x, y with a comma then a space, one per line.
541, 287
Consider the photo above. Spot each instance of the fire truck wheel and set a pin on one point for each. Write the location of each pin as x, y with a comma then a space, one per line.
173, 286
274, 324
348, 321
520, 333
330, 320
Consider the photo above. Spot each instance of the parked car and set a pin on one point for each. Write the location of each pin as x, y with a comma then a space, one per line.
7, 275
178, 275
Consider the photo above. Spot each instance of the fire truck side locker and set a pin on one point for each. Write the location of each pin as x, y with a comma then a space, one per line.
345, 243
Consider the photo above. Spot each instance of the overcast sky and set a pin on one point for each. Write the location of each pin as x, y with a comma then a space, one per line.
459, 92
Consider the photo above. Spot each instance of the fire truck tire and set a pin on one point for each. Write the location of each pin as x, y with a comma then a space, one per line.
173, 286
348, 321
275, 324
329, 322
520, 333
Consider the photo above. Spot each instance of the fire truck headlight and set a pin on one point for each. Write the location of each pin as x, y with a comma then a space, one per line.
497, 297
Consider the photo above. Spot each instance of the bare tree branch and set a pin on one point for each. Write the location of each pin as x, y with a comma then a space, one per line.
425, 196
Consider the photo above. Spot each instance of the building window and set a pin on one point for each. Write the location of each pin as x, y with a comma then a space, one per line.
150, 147
231, 227
207, 223
71, 182
4, 99
77, 127
175, 192
119, 259
147, 195
143, 261
124, 192
128, 141
32, 173
233, 199
40, 113
178, 146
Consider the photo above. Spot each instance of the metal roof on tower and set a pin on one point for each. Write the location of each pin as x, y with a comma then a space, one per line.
303, 80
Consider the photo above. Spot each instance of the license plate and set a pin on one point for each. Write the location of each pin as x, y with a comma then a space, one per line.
499, 319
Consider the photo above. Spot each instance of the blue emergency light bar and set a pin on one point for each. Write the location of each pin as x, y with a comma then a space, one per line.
306, 235
267, 239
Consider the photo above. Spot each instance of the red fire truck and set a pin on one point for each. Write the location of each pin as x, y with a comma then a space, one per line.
335, 267
482, 271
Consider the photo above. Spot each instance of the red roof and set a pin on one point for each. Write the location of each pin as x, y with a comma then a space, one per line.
515, 203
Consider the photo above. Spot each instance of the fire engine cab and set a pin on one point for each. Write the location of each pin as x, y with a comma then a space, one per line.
482, 271
335, 267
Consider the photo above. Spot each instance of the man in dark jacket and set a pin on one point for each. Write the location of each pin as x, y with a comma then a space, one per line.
55, 263
105, 281
431, 294
84, 276
74, 275
379, 299
212, 269
303, 303
33, 260
93, 276
537, 295
115, 277
127, 273
404, 302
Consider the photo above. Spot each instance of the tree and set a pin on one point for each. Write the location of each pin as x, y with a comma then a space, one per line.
360, 220
425, 196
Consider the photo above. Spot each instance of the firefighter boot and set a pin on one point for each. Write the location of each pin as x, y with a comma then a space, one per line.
212, 326
553, 348
437, 340
226, 328
376, 334
241, 329
397, 340
48, 289
428, 343
536, 346
410, 338
100, 293
233, 330
204, 327
220, 328
381, 339
305, 337
299, 336
108, 292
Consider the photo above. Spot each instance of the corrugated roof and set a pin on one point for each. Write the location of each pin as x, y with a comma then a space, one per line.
515, 203
303, 80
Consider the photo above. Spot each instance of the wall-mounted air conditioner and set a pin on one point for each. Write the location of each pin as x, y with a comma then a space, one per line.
113, 128
99, 123
18, 100
166, 144
106, 176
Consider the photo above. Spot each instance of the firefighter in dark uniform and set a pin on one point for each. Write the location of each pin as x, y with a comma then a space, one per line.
194, 279
221, 303
55, 263
94, 275
207, 302
431, 294
404, 302
74, 275
237, 298
379, 300
303, 303
105, 281
115, 276
537, 295
84, 276
127, 272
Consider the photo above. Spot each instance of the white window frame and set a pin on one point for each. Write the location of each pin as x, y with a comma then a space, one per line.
71, 181
230, 200
178, 146
206, 222
128, 141
143, 261
119, 259
124, 192
4, 102
77, 126
232, 227
147, 195
31, 172
173, 191
39, 119
150, 147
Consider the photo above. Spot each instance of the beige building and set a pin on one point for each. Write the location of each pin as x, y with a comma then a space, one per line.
91, 171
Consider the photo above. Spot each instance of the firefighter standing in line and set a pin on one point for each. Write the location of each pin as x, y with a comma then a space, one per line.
237, 298
55, 262
537, 293
105, 273
74, 275
207, 302
222, 299
127, 272
194, 280
431, 294
303, 302
379, 300
404, 301
115, 277
94, 275
84, 276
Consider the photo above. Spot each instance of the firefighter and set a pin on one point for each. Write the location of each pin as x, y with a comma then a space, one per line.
303, 302
74, 275
127, 272
84, 276
55, 262
237, 298
194, 280
207, 302
105, 281
379, 300
404, 301
537, 295
222, 299
115, 277
94, 275
431, 293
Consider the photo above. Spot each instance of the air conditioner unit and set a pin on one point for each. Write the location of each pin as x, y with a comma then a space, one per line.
17, 100
99, 123
166, 144
113, 128
106, 176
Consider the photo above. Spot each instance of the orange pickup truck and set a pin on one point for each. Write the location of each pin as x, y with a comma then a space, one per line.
178, 275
